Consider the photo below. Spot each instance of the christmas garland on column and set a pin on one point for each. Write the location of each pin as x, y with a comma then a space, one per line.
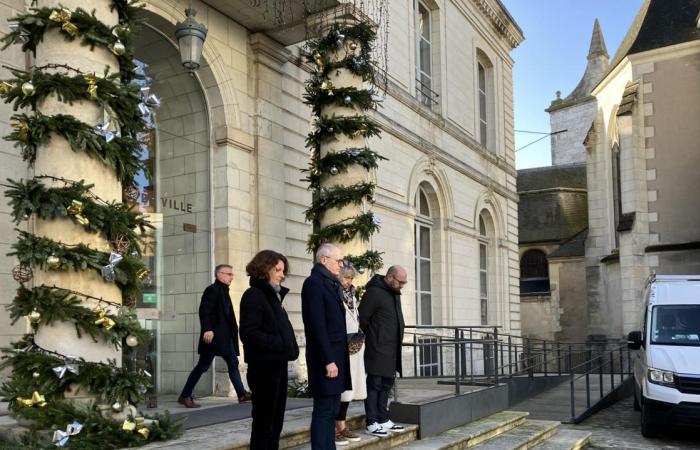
41, 378
354, 45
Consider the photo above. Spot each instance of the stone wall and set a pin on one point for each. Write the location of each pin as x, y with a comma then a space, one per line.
573, 121
253, 90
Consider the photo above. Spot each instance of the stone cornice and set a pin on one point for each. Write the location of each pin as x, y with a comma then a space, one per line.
268, 51
506, 28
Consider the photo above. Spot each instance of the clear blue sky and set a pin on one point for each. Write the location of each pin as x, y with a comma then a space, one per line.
553, 57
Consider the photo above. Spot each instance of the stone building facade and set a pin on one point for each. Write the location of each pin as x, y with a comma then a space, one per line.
553, 213
641, 149
229, 146
553, 220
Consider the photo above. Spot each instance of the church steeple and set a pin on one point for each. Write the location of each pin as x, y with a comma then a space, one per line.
597, 47
597, 66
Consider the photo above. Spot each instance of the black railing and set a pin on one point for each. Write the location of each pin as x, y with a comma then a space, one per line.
427, 96
602, 374
483, 356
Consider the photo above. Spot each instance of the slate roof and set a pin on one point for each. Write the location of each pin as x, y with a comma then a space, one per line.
553, 203
660, 23
566, 175
629, 97
576, 246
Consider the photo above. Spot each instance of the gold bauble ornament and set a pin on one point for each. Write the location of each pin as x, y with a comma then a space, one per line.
53, 262
118, 48
36, 375
28, 88
132, 341
34, 316
353, 46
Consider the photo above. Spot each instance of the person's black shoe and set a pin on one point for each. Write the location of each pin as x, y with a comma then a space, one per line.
187, 402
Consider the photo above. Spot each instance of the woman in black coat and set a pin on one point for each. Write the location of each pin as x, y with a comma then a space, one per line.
268, 345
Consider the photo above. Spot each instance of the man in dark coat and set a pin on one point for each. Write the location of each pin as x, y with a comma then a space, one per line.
381, 320
327, 357
218, 336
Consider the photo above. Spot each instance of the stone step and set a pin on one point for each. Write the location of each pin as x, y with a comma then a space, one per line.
526, 436
565, 440
300, 436
471, 434
376, 443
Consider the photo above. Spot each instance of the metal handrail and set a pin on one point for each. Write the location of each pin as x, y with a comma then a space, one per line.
431, 95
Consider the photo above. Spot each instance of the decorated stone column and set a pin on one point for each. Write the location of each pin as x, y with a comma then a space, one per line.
85, 112
340, 92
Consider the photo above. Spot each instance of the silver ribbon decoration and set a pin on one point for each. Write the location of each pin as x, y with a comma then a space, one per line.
60, 438
23, 32
109, 128
68, 366
148, 103
108, 272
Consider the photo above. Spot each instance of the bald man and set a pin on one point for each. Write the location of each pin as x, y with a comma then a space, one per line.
381, 320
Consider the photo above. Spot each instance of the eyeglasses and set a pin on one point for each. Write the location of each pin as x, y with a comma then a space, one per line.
339, 261
227, 273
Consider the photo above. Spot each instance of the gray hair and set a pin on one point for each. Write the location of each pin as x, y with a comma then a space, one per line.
218, 268
325, 250
348, 270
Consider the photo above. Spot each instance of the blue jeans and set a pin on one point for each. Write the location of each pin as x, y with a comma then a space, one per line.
377, 402
323, 422
203, 365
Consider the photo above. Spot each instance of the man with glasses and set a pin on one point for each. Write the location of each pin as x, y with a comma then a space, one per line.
381, 320
218, 336
327, 356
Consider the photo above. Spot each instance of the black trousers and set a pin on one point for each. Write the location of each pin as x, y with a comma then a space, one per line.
268, 382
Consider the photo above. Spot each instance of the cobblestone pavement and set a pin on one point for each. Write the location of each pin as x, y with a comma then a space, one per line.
617, 427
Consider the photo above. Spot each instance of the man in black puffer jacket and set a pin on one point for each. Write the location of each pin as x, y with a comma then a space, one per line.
381, 320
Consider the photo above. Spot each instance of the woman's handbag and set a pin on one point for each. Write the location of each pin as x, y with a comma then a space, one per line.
355, 341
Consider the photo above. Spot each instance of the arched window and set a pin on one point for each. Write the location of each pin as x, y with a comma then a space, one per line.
485, 97
483, 270
534, 273
423, 258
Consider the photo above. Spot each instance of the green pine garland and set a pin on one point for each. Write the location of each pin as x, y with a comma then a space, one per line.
363, 226
323, 167
32, 132
98, 431
91, 32
33, 251
370, 260
106, 380
122, 99
318, 98
361, 65
61, 305
338, 196
327, 128
113, 219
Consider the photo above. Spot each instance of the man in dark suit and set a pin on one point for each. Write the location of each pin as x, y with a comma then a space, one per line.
218, 336
327, 357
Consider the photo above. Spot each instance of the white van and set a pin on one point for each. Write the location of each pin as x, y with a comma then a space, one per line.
667, 363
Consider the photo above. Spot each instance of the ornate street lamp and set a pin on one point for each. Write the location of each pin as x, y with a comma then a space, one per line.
190, 36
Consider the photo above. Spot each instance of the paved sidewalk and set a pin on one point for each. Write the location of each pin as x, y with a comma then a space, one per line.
617, 427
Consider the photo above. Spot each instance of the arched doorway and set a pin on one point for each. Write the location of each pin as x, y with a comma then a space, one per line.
177, 200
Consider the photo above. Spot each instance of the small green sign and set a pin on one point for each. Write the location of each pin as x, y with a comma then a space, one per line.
150, 298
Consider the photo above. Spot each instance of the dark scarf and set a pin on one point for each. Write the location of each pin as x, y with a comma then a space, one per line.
349, 298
